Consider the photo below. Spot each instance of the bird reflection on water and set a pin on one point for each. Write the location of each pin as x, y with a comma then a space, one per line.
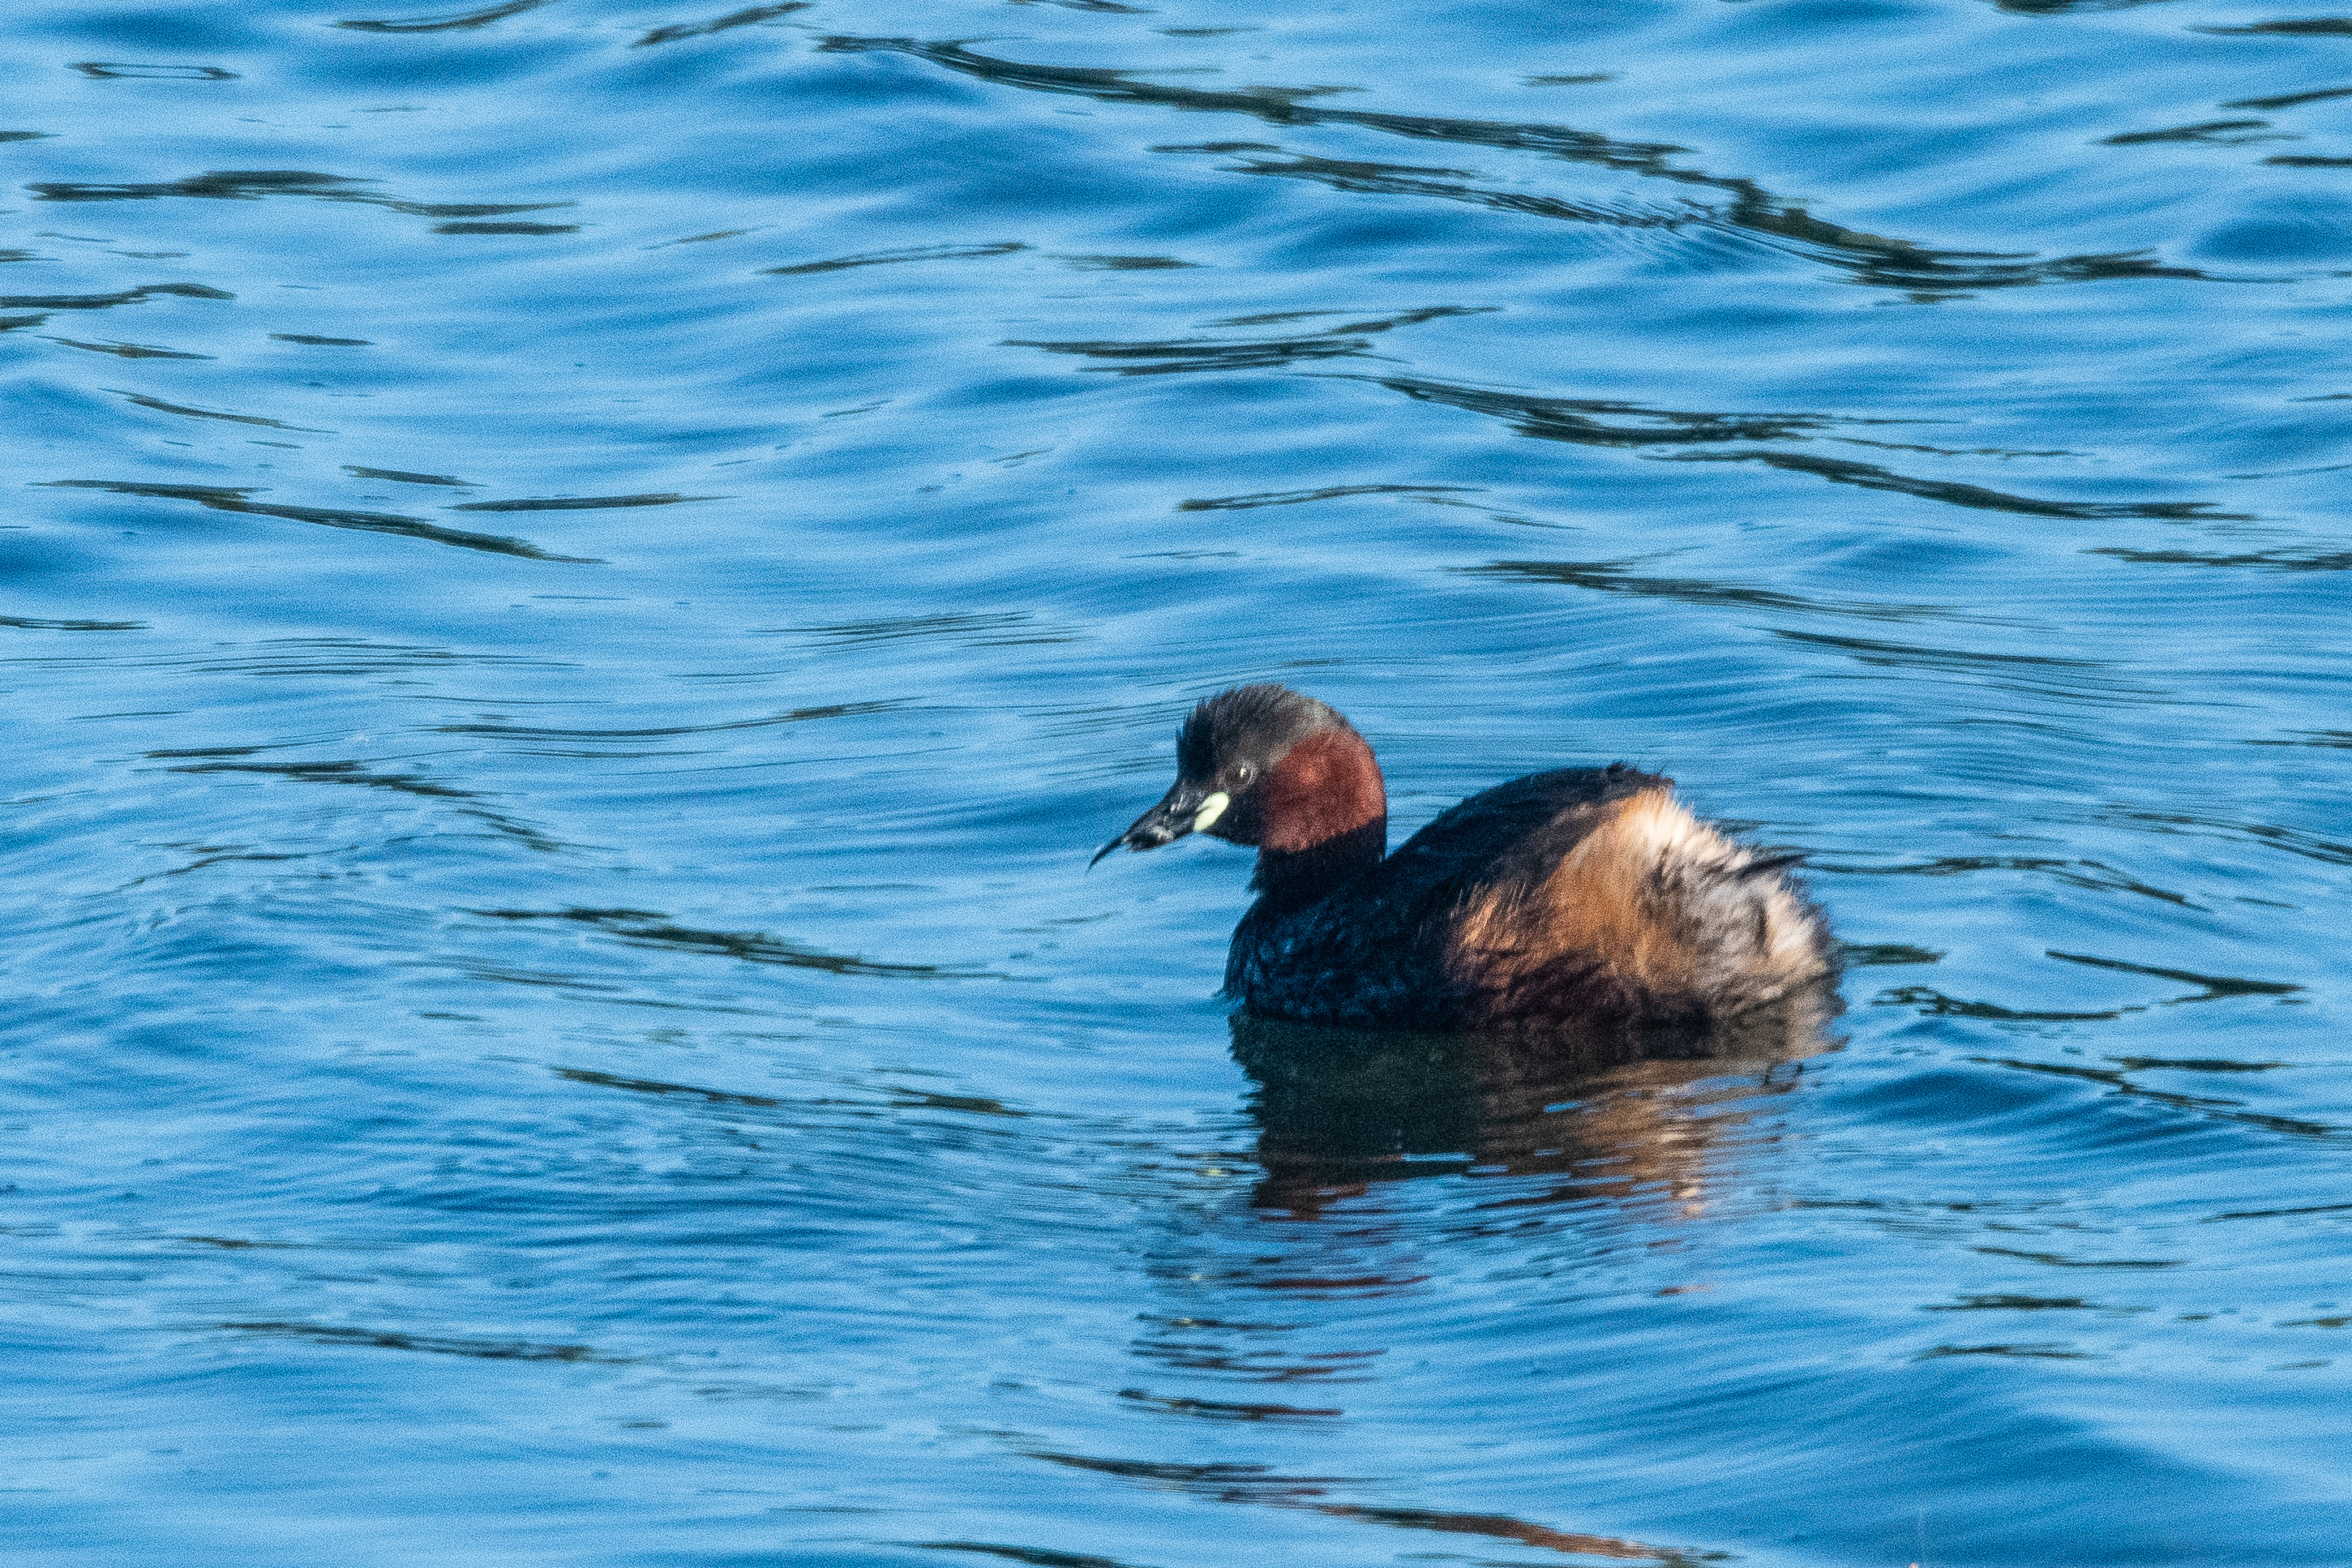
1594, 1112
1338, 1109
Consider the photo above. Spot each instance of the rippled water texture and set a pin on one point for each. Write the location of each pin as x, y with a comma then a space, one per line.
585, 576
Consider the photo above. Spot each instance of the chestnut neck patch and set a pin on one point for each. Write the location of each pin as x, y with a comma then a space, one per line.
1327, 786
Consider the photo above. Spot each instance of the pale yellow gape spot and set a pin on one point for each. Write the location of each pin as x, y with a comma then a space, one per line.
1211, 809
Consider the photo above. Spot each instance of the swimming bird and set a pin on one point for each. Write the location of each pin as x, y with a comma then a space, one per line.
1563, 897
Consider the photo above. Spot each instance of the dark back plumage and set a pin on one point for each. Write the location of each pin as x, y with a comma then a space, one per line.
1374, 952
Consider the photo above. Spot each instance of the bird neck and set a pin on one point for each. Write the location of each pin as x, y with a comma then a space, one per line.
1292, 879
1322, 816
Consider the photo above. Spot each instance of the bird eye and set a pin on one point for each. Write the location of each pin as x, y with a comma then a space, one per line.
1243, 773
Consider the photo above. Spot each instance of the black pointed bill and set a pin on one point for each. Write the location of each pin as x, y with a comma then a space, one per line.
1186, 808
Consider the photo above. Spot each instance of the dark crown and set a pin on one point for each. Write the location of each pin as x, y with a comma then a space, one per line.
1258, 723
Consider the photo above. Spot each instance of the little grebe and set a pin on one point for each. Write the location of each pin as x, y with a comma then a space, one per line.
1562, 897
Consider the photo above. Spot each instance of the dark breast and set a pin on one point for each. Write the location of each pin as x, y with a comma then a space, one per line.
1377, 951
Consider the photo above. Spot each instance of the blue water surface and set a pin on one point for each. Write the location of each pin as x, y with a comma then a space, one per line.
583, 577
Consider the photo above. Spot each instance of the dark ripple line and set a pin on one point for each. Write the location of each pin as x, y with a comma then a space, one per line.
955, 624
448, 24
339, 773
1933, 1003
225, 498
384, 1339
1395, 179
649, 928
1574, 420
2313, 26
2212, 988
1753, 211
1226, 1410
1612, 577
2216, 986
670, 35
907, 1100
1041, 1557
2202, 1105
139, 295
1259, 1484
1870, 476
104, 70
506, 229
826, 710
1230, 1482
2263, 560
2060, 7
306, 656
129, 350
354, 773
2060, 1261
656, 1086
2111, 881
2216, 132
163, 408
579, 503
1886, 954
2014, 672
253, 185
2289, 100
887, 257
1086, 263
2293, 840
1329, 493
1181, 356
1502, 1527
2333, 739
1945, 658
401, 476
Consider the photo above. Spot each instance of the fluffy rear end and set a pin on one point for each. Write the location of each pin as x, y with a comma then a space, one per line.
1648, 912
